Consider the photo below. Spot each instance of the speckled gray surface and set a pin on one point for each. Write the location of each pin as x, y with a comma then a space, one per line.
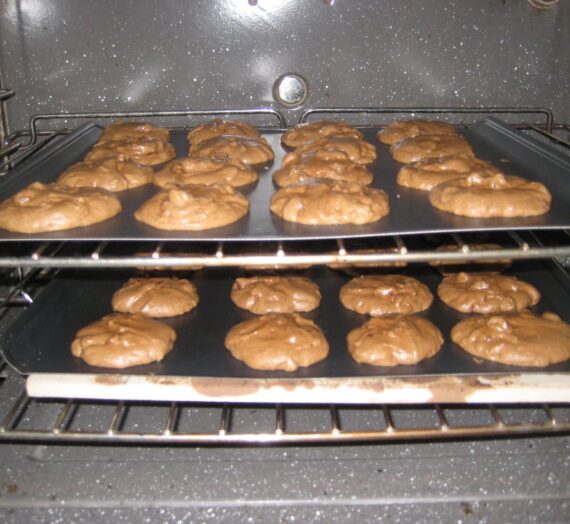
141, 55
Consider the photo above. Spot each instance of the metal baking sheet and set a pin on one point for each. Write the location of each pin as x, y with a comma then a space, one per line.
40, 340
411, 212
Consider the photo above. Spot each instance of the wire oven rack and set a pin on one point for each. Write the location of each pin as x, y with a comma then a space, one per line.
25, 266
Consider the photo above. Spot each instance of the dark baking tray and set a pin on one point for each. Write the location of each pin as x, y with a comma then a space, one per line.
411, 212
40, 340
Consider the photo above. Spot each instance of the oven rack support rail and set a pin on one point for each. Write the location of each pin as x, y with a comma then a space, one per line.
514, 245
70, 420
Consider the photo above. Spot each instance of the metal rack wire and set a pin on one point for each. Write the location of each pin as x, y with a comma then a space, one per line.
26, 419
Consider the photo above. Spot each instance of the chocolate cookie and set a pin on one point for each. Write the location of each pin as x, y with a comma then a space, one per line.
394, 341
250, 150
143, 150
122, 340
335, 148
219, 127
156, 297
283, 342
430, 146
303, 133
402, 129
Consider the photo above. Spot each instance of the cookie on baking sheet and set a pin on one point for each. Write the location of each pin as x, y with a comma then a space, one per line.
250, 150
111, 174
156, 297
41, 208
500, 263
278, 341
330, 202
120, 130
219, 127
486, 293
143, 150
193, 208
378, 295
427, 173
516, 339
275, 294
335, 148
394, 341
303, 133
205, 170
309, 167
401, 129
122, 340
430, 146
491, 196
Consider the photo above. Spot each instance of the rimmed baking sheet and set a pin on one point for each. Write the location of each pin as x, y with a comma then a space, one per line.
411, 212
199, 366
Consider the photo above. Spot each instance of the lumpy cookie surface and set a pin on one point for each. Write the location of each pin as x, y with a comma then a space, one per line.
429, 146
143, 150
41, 208
111, 174
491, 196
219, 127
193, 208
205, 170
335, 148
427, 173
310, 167
516, 339
156, 297
276, 341
275, 294
329, 203
486, 293
378, 295
393, 341
123, 340
402, 129
304, 133
121, 130
250, 150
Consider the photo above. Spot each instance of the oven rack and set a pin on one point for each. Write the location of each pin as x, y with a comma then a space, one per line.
24, 419
513, 245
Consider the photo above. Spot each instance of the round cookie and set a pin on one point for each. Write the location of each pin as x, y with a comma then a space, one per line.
275, 294
41, 208
329, 203
219, 127
486, 293
205, 170
334, 148
378, 295
304, 133
429, 146
193, 208
143, 150
122, 340
491, 196
120, 130
156, 297
394, 341
516, 339
427, 173
402, 129
310, 167
250, 150
277, 341
111, 174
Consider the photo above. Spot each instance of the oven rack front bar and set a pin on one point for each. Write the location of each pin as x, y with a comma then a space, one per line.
198, 424
514, 245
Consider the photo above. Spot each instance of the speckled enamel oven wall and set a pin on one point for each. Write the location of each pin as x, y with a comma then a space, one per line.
99, 55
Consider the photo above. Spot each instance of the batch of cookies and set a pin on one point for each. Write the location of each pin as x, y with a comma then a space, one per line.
323, 180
